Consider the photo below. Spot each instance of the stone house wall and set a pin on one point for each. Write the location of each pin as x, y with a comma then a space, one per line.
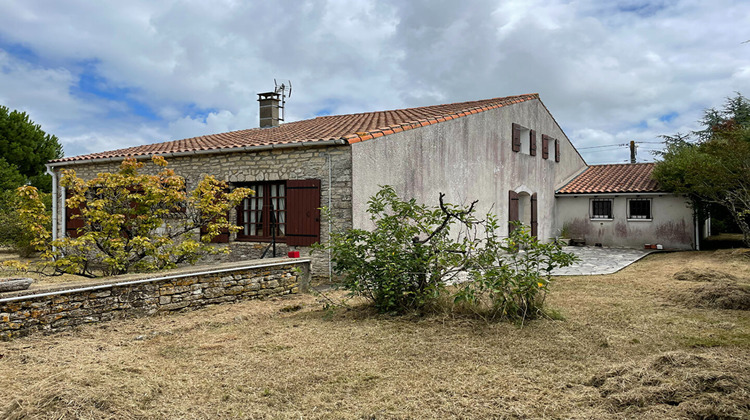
331, 165
64, 309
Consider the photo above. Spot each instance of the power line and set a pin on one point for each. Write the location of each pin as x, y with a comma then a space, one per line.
605, 145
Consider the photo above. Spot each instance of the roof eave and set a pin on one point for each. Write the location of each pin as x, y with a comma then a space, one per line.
259, 148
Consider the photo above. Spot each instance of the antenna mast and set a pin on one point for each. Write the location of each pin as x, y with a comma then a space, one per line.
281, 89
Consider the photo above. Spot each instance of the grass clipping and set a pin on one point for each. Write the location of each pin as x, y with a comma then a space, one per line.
699, 387
718, 290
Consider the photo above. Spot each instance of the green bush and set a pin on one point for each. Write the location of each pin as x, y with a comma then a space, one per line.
405, 262
12, 232
510, 277
401, 264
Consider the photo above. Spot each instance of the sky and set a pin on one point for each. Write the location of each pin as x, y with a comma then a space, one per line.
111, 74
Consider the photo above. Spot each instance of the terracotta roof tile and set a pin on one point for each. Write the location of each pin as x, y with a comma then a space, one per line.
351, 128
621, 178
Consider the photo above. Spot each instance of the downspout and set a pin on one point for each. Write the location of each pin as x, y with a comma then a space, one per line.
330, 221
697, 230
54, 200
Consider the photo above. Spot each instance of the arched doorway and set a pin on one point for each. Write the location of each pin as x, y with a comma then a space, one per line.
523, 208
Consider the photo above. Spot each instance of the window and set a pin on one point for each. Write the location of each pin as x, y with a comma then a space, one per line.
263, 215
639, 209
524, 140
288, 210
601, 208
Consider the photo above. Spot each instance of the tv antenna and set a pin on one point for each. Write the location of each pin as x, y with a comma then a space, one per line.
282, 89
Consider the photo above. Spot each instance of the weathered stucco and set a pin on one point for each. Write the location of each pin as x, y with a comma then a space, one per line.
468, 158
671, 224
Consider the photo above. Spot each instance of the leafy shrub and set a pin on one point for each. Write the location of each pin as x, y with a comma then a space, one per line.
403, 263
413, 251
13, 232
131, 221
510, 277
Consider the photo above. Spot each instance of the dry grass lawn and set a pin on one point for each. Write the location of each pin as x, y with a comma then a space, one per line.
630, 346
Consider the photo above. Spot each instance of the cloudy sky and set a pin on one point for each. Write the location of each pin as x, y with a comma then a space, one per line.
103, 75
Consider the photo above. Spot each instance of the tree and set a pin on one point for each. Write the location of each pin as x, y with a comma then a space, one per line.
132, 221
25, 148
712, 165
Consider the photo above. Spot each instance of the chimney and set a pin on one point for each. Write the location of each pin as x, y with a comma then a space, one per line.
269, 109
632, 151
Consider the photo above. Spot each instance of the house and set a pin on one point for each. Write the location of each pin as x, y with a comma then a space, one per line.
622, 205
509, 153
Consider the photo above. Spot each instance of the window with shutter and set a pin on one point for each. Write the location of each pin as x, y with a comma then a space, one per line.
512, 209
557, 150
303, 199
516, 137
263, 215
532, 143
545, 146
534, 217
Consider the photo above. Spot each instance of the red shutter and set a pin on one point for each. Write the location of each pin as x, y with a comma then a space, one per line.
303, 212
532, 143
557, 150
71, 224
512, 209
545, 146
516, 139
534, 217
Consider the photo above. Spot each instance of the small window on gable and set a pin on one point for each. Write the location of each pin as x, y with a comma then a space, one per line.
639, 209
522, 140
545, 146
601, 208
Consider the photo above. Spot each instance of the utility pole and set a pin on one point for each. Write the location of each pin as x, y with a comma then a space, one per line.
632, 151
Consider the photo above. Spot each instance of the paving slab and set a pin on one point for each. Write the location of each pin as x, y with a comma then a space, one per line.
597, 261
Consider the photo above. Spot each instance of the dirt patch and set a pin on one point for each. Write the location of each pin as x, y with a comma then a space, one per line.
706, 275
696, 386
723, 295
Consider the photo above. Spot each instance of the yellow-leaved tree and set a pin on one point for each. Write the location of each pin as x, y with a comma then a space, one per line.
133, 221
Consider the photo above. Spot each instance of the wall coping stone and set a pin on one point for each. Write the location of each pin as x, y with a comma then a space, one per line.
140, 278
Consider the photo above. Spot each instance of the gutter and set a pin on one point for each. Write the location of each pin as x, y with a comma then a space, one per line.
261, 148
615, 194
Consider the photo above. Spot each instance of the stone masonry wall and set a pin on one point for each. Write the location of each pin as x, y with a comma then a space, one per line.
63, 309
321, 163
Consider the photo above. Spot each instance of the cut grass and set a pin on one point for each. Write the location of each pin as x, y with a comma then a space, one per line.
623, 350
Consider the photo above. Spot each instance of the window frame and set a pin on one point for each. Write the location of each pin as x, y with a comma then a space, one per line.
264, 211
594, 216
650, 215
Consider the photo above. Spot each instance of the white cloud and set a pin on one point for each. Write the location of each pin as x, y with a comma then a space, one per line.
608, 71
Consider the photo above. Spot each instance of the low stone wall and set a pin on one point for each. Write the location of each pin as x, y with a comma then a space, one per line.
62, 309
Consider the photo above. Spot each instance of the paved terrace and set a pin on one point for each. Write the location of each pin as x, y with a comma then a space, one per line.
595, 260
